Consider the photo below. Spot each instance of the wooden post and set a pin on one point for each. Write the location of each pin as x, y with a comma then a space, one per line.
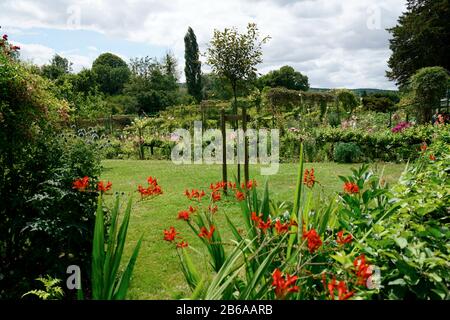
224, 149
111, 124
244, 128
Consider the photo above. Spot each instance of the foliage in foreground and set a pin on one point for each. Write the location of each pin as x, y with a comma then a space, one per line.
107, 280
369, 242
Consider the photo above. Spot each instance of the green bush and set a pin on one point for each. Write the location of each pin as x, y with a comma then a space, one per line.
347, 153
46, 225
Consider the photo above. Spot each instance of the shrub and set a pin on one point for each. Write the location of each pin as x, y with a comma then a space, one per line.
347, 153
45, 222
334, 119
369, 242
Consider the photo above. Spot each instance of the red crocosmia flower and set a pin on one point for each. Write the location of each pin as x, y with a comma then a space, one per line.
81, 184
195, 194
170, 235
182, 244
283, 285
264, 225
313, 239
216, 196
343, 293
256, 217
184, 215
232, 185
351, 188
281, 227
213, 209
423, 147
192, 209
217, 186
309, 179
432, 157
152, 181
250, 184
363, 270
204, 233
102, 188
240, 196
343, 240
153, 188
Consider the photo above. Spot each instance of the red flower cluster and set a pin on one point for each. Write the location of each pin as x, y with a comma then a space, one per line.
259, 222
204, 233
250, 184
81, 184
216, 196
309, 179
240, 196
213, 209
313, 238
343, 293
423, 147
283, 285
104, 188
256, 217
281, 227
264, 225
182, 244
185, 214
363, 271
170, 235
351, 188
195, 194
217, 186
432, 157
153, 188
7, 48
343, 240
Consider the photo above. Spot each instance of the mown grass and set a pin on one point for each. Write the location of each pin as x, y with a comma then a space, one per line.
157, 274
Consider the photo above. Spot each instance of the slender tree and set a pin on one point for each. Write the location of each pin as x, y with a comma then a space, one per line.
193, 66
235, 56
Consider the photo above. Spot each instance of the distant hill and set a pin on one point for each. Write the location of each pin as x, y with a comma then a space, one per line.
358, 91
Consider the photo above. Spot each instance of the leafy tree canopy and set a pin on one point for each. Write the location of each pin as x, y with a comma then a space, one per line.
428, 85
58, 67
420, 39
111, 73
234, 56
285, 77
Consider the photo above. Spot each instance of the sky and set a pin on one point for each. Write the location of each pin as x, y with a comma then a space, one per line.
336, 43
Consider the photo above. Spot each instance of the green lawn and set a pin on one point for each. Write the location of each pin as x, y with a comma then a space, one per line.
157, 274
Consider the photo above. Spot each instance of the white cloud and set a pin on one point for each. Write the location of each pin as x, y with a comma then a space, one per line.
336, 43
35, 53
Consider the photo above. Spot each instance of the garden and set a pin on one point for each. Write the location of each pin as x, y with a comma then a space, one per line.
94, 207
